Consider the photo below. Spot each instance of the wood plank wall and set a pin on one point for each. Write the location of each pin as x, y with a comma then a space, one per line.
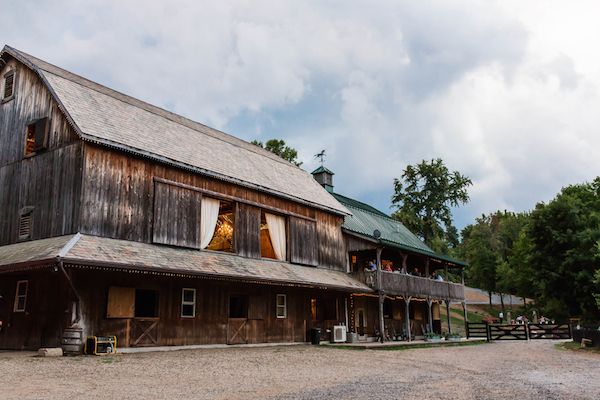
210, 325
176, 216
118, 202
49, 181
303, 242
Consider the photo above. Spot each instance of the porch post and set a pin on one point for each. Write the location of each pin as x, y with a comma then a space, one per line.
407, 317
429, 315
381, 296
427, 268
465, 315
446, 272
404, 266
448, 315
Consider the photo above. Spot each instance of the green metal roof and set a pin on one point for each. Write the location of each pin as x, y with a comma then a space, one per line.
322, 169
365, 219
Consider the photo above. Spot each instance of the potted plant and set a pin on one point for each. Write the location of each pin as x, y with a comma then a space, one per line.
433, 337
453, 337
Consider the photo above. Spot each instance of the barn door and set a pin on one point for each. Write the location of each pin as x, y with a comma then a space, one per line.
237, 324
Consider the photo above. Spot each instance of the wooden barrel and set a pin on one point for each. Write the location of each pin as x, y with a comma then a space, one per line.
72, 341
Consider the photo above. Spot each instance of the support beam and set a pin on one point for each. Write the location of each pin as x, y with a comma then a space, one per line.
381, 296
427, 268
407, 317
404, 266
448, 316
465, 314
446, 272
429, 314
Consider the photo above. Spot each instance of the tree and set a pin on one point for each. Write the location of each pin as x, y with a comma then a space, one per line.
564, 252
278, 146
424, 196
597, 279
490, 246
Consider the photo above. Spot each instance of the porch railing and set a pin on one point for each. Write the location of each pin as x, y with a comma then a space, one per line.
409, 285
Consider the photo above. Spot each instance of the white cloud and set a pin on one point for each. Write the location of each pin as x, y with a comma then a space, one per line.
504, 91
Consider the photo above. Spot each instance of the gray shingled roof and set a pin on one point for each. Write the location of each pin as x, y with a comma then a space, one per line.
87, 250
107, 117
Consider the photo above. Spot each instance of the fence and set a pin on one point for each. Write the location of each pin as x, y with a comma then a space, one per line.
518, 332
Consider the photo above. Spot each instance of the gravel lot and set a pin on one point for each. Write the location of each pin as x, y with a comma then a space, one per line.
506, 370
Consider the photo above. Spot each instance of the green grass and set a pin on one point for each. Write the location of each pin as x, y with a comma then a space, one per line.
573, 346
408, 347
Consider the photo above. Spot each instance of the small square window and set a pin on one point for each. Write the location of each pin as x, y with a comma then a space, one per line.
36, 137
188, 303
9, 86
21, 296
281, 306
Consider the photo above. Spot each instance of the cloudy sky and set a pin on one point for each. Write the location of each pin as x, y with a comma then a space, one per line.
507, 92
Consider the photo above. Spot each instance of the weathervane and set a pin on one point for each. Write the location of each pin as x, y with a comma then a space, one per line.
321, 156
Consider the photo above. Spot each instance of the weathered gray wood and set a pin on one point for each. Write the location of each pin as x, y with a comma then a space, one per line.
176, 216
247, 230
332, 252
303, 241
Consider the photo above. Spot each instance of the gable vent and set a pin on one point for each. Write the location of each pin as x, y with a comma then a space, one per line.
25, 223
9, 85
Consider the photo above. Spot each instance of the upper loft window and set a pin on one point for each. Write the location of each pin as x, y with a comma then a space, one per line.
8, 92
273, 238
217, 225
36, 137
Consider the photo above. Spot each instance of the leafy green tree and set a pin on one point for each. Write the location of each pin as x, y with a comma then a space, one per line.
564, 251
489, 246
279, 147
597, 280
423, 198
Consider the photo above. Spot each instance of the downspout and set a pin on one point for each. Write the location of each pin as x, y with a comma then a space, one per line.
78, 301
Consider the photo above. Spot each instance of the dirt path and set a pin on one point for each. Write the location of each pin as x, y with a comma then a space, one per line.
507, 370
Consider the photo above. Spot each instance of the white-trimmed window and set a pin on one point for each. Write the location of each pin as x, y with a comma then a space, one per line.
21, 296
188, 303
281, 306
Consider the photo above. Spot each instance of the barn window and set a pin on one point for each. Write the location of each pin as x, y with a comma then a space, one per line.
25, 223
9, 86
146, 303
223, 229
21, 296
281, 306
188, 303
36, 137
273, 236
238, 307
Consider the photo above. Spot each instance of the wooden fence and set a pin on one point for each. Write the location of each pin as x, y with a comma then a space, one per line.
518, 332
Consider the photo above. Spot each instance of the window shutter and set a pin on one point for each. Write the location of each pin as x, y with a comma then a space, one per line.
303, 241
41, 134
9, 85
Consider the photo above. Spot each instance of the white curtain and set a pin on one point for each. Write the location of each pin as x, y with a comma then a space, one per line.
208, 220
276, 225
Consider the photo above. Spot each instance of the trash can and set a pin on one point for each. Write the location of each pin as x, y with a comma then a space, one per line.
315, 336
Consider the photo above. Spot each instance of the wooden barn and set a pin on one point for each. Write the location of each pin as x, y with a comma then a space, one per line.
120, 218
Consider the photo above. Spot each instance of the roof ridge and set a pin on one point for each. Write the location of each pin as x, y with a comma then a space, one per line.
151, 108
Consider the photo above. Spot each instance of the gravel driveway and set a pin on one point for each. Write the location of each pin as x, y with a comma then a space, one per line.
502, 370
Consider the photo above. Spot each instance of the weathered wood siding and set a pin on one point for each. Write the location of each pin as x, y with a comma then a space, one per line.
332, 251
247, 230
44, 318
119, 202
303, 241
211, 325
176, 216
49, 181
